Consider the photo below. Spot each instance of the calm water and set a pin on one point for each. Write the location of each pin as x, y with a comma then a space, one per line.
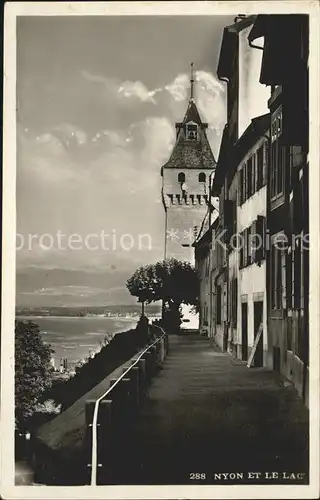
74, 337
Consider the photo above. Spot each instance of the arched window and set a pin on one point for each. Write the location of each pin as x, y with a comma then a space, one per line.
202, 177
181, 177
192, 131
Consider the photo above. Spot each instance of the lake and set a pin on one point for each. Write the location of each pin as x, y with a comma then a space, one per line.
74, 337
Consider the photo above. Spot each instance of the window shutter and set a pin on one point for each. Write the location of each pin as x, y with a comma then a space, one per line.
241, 251
239, 186
249, 248
245, 236
302, 269
225, 303
283, 280
254, 241
289, 277
260, 231
245, 196
292, 275
235, 296
265, 162
229, 302
253, 181
297, 274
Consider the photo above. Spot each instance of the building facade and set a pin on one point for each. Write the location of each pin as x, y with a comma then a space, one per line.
252, 171
239, 66
284, 68
206, 266
261, 180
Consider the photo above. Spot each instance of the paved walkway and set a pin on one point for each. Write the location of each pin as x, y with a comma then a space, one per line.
208, 413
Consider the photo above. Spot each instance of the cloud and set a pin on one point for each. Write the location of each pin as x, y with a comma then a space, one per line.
72, 290
107, 177
138, 90
178, 88
121, 89
69, 134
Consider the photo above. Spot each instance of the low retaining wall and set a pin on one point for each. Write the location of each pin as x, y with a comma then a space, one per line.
62, 446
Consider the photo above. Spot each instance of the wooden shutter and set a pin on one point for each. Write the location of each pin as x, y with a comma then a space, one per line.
240, 186
260, 225
235, 302
245, 250
225, 301
254, 241
283, 305
265, 167
249, 247
241, 251
253, 181
245, 194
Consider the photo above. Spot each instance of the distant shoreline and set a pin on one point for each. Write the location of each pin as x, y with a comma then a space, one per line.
89, 316
120, 311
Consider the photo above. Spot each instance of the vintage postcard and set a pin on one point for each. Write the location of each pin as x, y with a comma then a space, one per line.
160, 284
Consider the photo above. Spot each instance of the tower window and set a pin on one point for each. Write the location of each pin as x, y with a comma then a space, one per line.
192, 131
181, 177
202, 177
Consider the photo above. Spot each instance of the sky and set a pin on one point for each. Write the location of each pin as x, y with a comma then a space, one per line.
97, 102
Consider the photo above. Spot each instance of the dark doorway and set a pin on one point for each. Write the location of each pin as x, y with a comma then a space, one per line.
258, 317
276, 359
244, 330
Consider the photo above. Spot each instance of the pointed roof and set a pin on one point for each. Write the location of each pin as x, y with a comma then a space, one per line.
191, 153
192, 114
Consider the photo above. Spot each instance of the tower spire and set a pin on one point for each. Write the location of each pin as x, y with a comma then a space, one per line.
191, 83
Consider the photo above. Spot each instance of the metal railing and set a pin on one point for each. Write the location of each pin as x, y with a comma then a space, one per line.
161, 341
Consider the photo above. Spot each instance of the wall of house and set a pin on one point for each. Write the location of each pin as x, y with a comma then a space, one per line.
233, 271
213, 306
288, 214
253, 97
232, 263
252, 283
220, 332
203, 269
252, 279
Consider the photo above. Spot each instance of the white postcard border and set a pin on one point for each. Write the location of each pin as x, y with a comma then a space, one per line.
7, 489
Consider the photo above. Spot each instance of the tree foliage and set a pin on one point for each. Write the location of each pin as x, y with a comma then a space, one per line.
33, 375
172, 281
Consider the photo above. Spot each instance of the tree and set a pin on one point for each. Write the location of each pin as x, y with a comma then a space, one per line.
172, 281
144, 284
33, 375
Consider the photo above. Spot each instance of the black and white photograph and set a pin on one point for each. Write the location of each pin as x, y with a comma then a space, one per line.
160, 284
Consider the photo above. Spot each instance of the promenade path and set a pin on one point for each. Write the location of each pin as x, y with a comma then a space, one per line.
208, 413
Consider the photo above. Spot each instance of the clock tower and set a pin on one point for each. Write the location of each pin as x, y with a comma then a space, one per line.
185, 181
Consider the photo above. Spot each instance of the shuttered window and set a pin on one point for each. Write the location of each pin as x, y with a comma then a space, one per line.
260, 164
278, 155
219, 304
278, 277
249, 178
265, 162
255, 243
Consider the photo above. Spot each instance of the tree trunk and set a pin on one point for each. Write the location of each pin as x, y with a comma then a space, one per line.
142, 308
